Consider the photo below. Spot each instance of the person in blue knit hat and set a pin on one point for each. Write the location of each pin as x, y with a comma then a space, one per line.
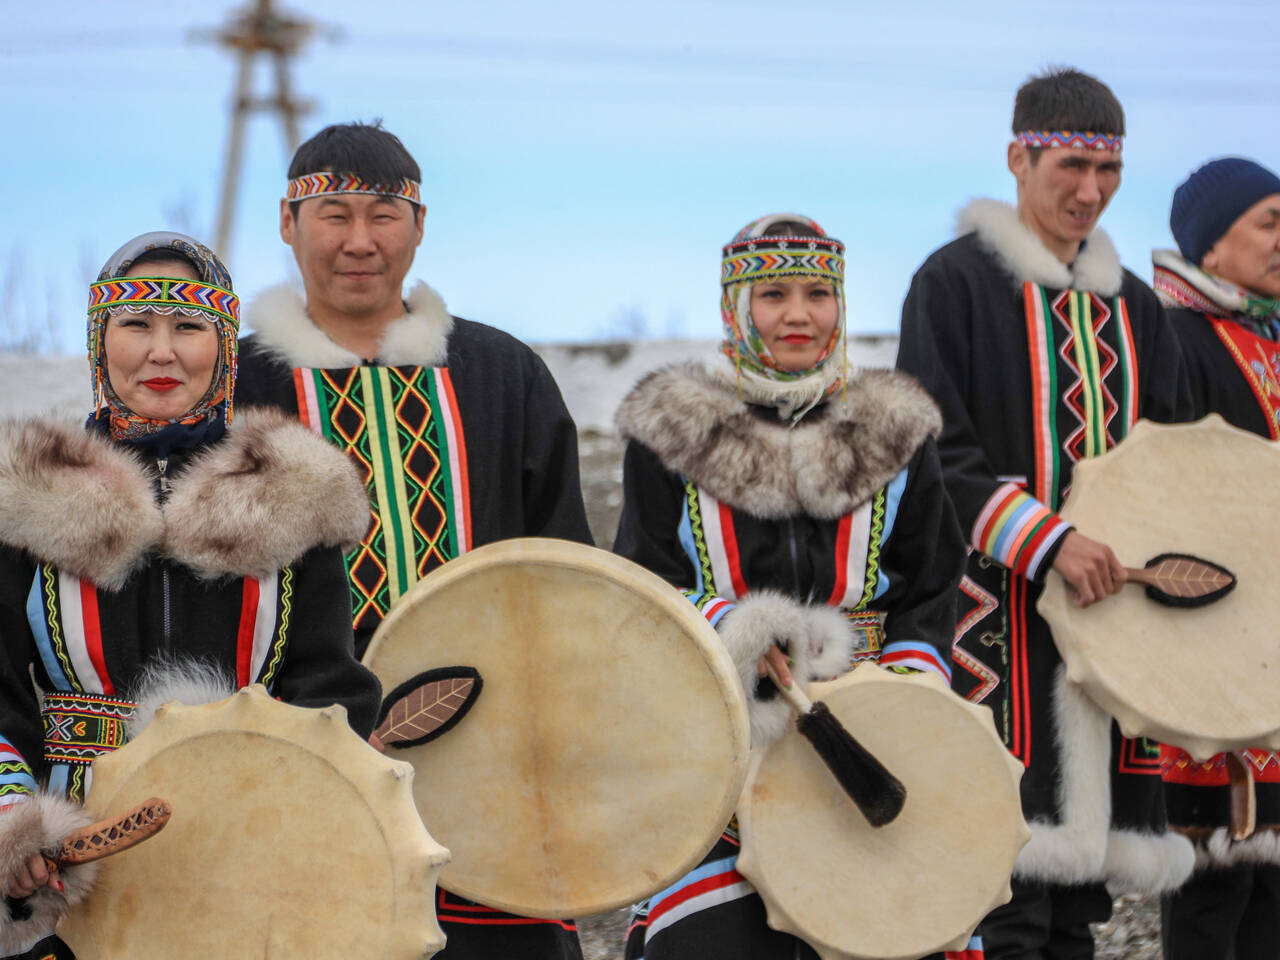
1221, 290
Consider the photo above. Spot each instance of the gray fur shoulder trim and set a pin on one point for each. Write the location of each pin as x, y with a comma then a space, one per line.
260, 499
1024, 257
72, 498
279, 318
699, 428
30, 827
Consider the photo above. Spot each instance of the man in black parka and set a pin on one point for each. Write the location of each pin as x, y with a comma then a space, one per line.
460, 432
1042, 350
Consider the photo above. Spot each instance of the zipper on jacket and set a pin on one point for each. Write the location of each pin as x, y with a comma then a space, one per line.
795, 557
162, 467
164, 592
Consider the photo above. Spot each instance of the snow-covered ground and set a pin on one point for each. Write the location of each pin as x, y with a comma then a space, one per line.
593, 376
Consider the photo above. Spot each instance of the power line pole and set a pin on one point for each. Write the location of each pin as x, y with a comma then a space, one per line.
258, 29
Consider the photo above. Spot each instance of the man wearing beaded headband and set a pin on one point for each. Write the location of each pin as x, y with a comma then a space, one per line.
1042, 350
1221, 290
458, 428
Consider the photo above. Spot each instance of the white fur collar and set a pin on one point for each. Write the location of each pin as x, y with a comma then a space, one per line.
1025, 257
420, 338
825, 468
247, 505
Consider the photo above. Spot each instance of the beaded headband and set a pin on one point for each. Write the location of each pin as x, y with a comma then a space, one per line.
319, 184
165, 291
1089, 140
779, 258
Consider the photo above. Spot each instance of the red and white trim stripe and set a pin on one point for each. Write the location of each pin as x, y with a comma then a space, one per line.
83, 632
259, 600
304, 383
716, 609
852, 538
1041, 401
461, 486
702, 894
1130, 363
722, 547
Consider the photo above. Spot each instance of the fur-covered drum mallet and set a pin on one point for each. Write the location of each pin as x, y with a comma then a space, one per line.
110, 836
878, 794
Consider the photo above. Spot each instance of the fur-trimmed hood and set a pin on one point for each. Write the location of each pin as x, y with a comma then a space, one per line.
825, 467
1024, 257
248, 505
278, 316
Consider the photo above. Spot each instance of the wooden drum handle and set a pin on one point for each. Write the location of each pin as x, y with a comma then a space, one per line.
111, 836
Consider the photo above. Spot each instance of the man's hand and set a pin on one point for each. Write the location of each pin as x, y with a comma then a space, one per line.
1089, 567
33, 875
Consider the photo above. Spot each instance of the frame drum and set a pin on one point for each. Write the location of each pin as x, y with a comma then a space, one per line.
917, 885
609, 741
1198, 678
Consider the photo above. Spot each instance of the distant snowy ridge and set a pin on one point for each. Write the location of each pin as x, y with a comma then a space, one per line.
593, 376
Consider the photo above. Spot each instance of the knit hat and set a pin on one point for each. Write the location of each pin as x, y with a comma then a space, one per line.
1209, 201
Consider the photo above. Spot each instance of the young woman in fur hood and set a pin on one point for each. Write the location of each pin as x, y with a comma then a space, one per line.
160, 552
801, 509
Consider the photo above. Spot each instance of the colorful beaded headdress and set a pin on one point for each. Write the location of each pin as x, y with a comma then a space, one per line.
210, 298
756, 255
319, 184
1089, 140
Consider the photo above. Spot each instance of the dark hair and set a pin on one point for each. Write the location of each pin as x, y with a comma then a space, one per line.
374, 155
164, 255
791, 228
1066, 99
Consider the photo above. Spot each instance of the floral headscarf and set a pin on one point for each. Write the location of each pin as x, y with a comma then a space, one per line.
210, 298
755, 255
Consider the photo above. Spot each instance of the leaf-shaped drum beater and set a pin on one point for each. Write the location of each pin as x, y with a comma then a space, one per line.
1181, 580
427, 706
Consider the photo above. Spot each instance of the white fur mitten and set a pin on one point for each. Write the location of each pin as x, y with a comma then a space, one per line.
818, 639
29, 827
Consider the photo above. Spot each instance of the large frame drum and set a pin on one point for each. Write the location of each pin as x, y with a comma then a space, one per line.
609, 741
1202, 678
290, 837
921, 883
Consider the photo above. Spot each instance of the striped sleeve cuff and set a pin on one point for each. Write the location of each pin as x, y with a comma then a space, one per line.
916, 655
1017, 530
16, 781
709, 605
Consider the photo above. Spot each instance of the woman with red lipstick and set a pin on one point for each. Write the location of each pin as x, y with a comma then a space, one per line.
801, 509
162, 552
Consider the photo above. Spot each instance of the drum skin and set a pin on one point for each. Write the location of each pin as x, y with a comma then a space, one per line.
921, 883
609, 742
1201, 678
290, 837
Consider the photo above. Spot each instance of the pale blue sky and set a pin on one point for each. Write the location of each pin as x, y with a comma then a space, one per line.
585, 161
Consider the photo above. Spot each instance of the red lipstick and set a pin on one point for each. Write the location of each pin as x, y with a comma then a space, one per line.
797, 338
162, 383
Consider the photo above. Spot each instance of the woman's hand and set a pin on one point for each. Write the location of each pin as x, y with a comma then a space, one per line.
33, 875
780, 662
